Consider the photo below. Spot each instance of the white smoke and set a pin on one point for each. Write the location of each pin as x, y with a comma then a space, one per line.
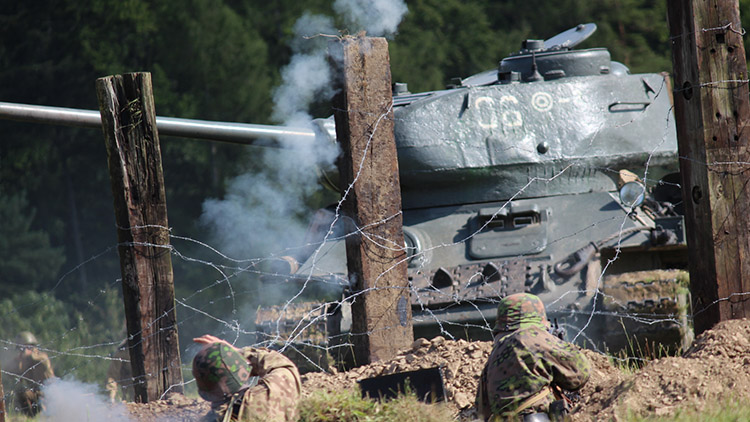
377, 17
69, 400
257, 215
307, 77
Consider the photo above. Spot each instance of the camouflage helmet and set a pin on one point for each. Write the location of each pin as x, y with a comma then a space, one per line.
26, 338
220, 370
520, 310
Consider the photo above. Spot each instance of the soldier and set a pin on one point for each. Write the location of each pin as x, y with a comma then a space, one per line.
248, 384
528, 366
119, 375
32, 366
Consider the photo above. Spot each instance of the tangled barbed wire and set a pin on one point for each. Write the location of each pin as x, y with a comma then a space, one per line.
307, 327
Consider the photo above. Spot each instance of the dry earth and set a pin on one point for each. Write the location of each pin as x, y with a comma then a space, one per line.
715, 368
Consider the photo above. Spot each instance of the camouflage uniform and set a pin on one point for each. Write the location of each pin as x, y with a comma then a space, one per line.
119, 375
526, 362
271, 397
32, 366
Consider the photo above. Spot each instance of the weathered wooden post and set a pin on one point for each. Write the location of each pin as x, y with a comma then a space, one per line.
129, 123
712, 113
381, 312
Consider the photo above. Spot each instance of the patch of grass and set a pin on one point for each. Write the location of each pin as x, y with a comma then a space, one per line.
724, 411
349, 406
17, 417
638, 354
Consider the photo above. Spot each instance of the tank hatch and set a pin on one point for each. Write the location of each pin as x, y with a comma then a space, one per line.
553, 58
570, 38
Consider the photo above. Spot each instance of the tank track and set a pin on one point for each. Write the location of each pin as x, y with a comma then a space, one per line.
646, 313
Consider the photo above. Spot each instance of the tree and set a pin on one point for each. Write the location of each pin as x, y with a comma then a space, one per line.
28, 259
207, 63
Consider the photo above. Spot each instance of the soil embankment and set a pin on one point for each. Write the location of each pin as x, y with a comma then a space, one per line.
716, 367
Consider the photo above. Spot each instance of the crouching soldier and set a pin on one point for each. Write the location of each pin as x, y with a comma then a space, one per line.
528, 366
248, 384
119, 375
32, 367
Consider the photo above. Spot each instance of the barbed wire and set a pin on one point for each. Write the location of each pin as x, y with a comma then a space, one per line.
582, 303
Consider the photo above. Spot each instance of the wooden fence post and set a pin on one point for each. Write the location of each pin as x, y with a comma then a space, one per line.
712, 112
129, 123
381, 311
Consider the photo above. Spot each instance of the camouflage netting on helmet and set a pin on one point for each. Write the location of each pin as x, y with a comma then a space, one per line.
519, 310
220, 370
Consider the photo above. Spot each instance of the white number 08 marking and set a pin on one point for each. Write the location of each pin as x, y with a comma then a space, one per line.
508, 117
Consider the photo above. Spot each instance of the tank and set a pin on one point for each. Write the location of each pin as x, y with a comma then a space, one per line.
555, 174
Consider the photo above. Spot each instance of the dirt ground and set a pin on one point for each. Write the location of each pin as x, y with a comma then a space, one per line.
716, 367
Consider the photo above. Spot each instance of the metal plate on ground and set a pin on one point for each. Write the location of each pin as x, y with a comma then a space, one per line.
427, 384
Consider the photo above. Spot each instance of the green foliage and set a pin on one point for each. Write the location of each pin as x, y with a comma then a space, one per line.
28, 258
206, 61
441, 39
18, 417
77, 339
348, 406
227, 77
274, 21
636, 33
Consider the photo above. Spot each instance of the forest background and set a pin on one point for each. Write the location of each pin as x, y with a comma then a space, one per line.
213, 60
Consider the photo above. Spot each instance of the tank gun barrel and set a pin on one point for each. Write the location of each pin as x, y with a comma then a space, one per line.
239, 133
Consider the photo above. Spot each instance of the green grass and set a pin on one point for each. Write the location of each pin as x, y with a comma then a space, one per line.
725, 411
638, 354
17, 417
347, 406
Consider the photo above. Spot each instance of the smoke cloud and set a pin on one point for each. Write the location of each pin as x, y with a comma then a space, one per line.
377, 17
255, 216
260, 215
68, 400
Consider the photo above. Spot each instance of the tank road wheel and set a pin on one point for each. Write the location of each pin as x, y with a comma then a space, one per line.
647, 313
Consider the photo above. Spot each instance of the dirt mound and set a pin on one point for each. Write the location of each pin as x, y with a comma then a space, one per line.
729, 339
462, 362
175, 408
715, 367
